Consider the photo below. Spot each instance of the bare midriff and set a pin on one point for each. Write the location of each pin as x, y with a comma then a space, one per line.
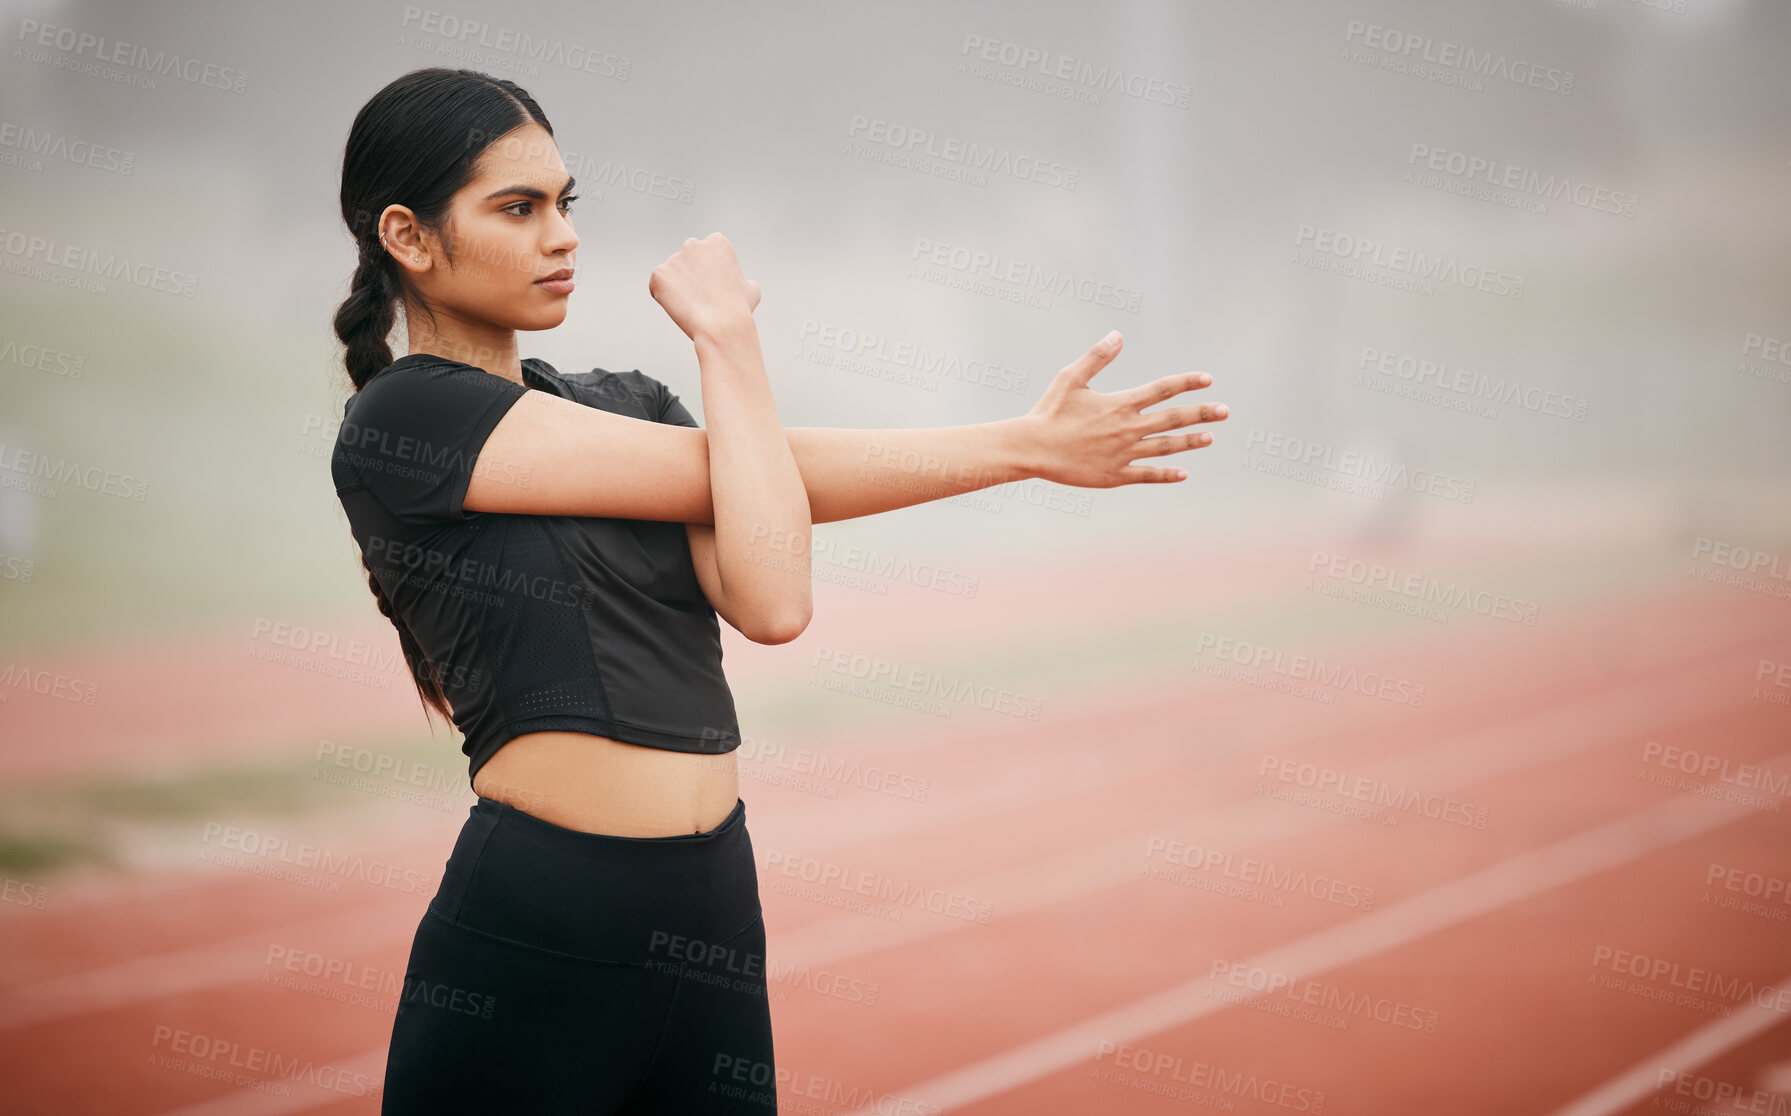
593, 783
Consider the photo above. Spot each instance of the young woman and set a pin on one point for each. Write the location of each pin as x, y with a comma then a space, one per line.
554, 550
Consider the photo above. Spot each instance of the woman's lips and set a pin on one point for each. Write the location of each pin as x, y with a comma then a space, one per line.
558, 286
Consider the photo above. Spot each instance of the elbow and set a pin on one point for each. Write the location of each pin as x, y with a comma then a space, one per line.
780, 629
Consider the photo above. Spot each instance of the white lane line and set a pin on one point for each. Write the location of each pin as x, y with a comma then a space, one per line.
1230, 722
1460, 761
241, 958
1530, 873
1450, 765
1595, 850
1649, 1074
1029, 778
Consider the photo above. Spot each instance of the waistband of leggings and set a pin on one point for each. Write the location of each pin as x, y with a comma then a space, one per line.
580, 840
599, 896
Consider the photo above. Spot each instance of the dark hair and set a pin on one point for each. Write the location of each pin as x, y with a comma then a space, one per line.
415, 143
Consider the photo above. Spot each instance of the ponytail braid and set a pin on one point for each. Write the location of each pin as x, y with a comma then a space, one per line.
365, 319
413, 144
363, 323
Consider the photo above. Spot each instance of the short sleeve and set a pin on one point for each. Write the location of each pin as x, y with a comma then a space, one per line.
671, 408
412, 434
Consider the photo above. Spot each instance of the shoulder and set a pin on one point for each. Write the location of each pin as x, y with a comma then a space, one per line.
660, 403
632, 392
423, 397
420, 386
583, 387
413, 430
645, 387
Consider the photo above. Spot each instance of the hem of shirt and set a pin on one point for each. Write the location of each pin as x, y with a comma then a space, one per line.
624, 731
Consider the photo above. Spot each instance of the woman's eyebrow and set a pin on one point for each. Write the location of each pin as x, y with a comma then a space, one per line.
529, 191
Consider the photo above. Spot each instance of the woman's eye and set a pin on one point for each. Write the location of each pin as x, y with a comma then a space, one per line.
565, 205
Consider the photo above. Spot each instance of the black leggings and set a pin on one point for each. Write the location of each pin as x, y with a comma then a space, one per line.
570, 972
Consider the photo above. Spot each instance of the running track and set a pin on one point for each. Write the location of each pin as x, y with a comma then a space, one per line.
1489, 955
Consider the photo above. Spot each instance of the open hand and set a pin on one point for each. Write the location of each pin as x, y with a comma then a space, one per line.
1088, 438
700, 286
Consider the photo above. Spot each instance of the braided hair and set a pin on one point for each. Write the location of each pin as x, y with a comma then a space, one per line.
415, 144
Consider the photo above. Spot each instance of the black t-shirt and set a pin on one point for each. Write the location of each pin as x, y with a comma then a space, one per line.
533, 622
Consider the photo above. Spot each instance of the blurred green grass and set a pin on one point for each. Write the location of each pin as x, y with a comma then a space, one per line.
51, 827
48, 828
239, 516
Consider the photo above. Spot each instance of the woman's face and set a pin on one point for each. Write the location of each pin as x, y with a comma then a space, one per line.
506, 230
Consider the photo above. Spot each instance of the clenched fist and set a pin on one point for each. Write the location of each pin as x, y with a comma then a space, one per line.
700, 286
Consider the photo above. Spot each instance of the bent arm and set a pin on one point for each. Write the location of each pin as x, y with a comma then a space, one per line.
760, 578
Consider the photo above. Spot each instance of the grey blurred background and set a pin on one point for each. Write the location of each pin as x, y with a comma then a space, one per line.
1498, 294
749, 116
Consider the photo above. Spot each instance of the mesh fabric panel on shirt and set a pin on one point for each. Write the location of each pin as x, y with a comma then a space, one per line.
342, 473
538, 646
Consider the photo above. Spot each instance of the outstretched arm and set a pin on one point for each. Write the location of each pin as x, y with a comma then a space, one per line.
850, 473
1074, 436
552, 456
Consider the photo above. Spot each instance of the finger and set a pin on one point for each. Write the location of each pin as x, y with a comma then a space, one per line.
1172, 443
1174, 418
1151, 474
1166, 388
1083, 368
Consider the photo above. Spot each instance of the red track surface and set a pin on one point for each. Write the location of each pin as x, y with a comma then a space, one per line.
1087, 990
